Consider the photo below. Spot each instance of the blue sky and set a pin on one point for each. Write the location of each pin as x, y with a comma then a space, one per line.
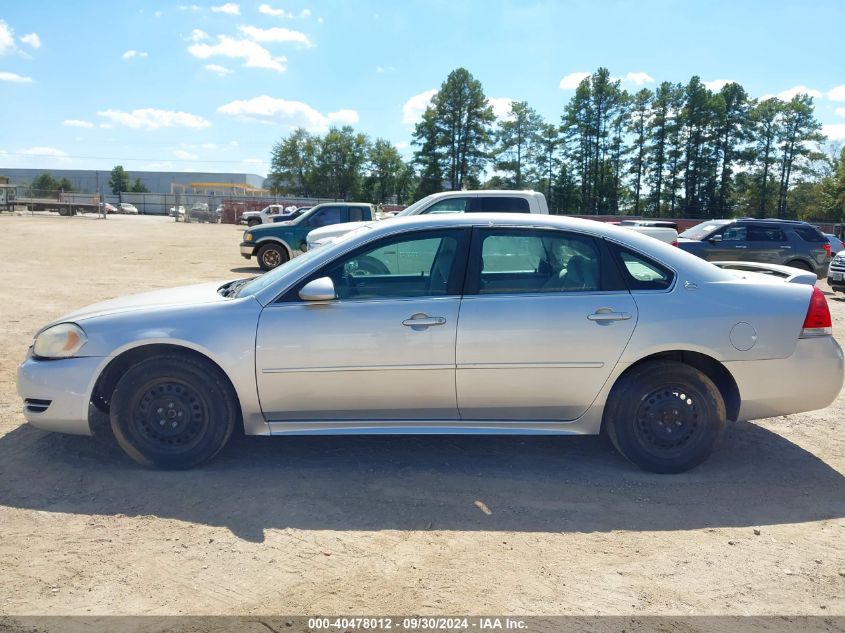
211, 86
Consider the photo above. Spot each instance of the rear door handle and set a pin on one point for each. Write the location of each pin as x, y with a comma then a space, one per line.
741, 246
605, 314
423, 320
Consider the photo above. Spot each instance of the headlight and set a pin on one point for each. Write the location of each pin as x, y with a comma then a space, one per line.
247, 236
60, 341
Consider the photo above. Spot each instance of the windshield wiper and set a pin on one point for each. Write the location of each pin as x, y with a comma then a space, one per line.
232, 289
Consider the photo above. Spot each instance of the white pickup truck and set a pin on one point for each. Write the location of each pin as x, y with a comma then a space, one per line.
270, 214
488, 200
664, 231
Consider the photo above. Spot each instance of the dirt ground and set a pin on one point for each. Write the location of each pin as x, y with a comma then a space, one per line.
382, 525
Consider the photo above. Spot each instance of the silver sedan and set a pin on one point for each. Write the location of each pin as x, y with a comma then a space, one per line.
448, 324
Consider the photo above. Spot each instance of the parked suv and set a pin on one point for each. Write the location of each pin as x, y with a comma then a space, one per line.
786, 242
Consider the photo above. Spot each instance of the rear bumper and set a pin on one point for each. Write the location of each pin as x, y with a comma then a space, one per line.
810, 379
57, 393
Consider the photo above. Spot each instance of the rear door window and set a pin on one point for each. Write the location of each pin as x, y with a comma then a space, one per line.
502, 204
758, 233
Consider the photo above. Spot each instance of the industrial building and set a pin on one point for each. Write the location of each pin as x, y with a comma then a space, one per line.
164, 182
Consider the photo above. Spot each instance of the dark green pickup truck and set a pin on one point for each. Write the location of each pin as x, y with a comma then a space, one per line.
274, 244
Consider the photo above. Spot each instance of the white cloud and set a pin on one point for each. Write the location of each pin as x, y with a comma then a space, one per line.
344, 117
639, 79
106, 126
320, 19
190, 7
221, 71
571, 81
230, 8
501, 106
305, 13
32, 39
77, 123
253, 54
401, 145
133, 53
15, 78
153, 119
7, 38
252, 161
787, 94
276, 34
266, 9
198, 35
157, 14
184, 155
47, 152
834, 131
414, 107
294, 114
717, 84
837, 93
840, 111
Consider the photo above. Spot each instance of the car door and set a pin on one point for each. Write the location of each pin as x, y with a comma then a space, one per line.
383, 349
766, 244
543, 323
731, 244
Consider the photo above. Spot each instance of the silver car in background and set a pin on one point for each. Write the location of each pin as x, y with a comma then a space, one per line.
469, 323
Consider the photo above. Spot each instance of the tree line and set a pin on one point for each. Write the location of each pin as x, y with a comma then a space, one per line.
680, 150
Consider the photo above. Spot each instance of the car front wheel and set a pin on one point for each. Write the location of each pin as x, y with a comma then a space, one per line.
665, 416
172, 412
271, 255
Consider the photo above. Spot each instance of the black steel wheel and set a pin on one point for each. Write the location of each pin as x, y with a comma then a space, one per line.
665, 416
271, 255
172, 412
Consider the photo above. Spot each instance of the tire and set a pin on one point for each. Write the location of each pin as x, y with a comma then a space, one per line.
665, 416
271, 255
196, 405
800, 264
253, 222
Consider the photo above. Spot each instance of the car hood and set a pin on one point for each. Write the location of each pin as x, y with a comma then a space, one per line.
171, 297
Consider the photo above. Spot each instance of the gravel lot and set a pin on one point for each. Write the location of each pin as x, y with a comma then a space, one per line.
385, 525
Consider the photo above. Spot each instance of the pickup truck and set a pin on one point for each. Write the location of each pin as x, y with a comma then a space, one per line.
274, 244
660, 230
270, 214
482, 201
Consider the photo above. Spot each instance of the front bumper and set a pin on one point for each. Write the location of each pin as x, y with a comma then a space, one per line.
57, 393
810, 379
247, 249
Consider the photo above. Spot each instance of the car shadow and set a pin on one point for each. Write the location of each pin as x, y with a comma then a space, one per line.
255, 270
530, 484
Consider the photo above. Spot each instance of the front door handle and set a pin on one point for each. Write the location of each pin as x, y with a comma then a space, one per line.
740, 246
606, 314
423, 320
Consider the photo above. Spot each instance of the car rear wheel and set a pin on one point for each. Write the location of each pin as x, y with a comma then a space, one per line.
665, 416
253, 222
271, 255
172, 412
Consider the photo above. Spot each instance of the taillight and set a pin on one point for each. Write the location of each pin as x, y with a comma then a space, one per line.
826, 248
817, 322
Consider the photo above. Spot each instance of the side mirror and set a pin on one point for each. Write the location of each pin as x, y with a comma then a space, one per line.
321, 289
714, 239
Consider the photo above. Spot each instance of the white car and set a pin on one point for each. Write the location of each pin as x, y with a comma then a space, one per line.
481, 201
566, 326
126, 207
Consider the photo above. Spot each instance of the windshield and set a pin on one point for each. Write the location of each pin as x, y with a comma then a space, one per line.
700, 231
257, 284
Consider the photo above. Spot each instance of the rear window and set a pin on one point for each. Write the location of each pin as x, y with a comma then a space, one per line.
356, 214
503, 204
810, 234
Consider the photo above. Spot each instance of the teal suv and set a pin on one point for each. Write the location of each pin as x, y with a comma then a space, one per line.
274, 244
